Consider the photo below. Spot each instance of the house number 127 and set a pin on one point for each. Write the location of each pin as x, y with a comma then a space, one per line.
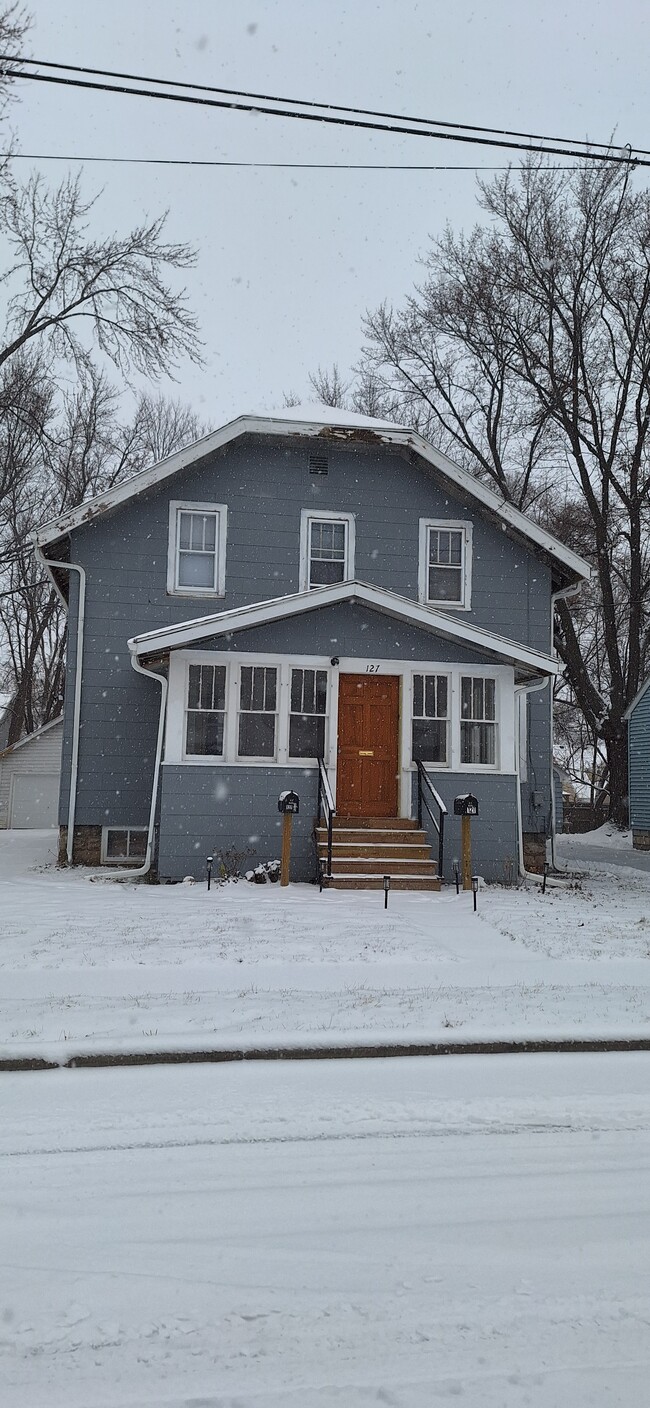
372, 669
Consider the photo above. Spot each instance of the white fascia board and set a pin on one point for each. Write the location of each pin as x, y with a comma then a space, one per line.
278, 609
277, 425
30, 737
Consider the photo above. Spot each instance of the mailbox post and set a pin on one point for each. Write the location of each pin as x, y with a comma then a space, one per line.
288, 806
466, 807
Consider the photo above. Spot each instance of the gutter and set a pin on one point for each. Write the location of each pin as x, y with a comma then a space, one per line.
519, 691
137, 873
48, 563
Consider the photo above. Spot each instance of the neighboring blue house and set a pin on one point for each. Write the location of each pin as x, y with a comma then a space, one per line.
295, 587
638, 749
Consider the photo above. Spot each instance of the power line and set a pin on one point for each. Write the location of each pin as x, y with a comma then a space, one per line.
582, 152
254, 165
308, 103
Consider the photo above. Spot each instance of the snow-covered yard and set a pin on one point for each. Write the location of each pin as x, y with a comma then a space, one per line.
131, 966
365, 1234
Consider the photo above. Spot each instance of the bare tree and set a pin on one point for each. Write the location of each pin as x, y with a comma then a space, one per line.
66, 290
525, 352
56, 451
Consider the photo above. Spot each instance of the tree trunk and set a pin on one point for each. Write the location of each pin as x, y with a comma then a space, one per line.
615, 736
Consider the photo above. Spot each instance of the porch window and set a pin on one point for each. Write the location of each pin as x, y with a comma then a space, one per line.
196, 558
445, 563
430, 718
308, 711
206, 710
258, 693
478, 727
327, 549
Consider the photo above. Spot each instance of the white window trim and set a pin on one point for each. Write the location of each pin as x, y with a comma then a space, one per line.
466, 528
105, 859
175, 751
244, 758
446, 672
311, 515
506, 739
177, 506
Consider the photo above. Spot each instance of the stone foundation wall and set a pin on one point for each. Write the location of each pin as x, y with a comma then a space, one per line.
86, 847
641, 840
534, 851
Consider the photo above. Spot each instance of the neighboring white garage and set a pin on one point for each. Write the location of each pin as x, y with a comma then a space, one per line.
30, 772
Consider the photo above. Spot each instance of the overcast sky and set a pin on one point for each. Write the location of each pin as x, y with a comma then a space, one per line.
289, 260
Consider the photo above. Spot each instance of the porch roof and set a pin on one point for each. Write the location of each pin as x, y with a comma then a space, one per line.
529, 662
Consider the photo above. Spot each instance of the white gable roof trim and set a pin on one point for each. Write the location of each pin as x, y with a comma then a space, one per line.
344, 427
31, 737
637, 699
280, 608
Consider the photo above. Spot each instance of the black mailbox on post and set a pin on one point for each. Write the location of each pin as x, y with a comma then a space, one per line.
466, 805
289, 802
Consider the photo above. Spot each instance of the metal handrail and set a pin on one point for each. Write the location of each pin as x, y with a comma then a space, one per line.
438, 822
326, 810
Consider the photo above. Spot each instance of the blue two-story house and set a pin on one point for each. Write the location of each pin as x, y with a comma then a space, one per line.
311, 601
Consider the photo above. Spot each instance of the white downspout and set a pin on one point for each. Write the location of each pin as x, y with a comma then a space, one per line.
519, 691
76, 711
562, 595
136, 873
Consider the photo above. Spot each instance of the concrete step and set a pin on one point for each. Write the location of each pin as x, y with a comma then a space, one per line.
375, 882
353, 864
389, 823
367, 836
387, 850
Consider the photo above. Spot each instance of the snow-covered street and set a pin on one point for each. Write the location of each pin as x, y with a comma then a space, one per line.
374, 1232
104, 966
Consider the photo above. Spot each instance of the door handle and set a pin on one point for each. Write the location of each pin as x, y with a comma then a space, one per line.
366, 752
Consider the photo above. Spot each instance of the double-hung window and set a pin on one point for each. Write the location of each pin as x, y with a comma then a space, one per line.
430, 727
445, 563
258, 703
478, 727
308, 712
327, 549
196, 564
206, 711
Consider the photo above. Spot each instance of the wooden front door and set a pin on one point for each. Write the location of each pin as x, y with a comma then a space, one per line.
368, 745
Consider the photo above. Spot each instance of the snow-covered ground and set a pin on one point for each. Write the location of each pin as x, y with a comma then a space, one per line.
112, 966
368, 1234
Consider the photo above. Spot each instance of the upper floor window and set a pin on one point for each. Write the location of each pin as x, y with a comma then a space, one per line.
196, 564
478, 727
445, 563
326, 549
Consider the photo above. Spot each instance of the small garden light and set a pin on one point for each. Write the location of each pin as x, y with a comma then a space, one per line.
475, 889
386, 889
209, 860
456, 870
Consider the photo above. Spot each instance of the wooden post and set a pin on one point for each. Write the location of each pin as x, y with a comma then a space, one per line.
287, 819
466, 851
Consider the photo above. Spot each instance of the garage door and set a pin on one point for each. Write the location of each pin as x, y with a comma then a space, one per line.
34, 800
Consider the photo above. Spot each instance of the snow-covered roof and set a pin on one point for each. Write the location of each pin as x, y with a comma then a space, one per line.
390, 603
332, 424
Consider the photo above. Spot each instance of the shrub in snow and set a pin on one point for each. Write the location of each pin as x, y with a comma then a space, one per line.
269, 871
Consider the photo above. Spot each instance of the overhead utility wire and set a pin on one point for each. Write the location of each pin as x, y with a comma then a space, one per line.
256, 165
614, 158
309, 103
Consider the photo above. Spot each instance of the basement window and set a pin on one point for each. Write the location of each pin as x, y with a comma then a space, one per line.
123, 845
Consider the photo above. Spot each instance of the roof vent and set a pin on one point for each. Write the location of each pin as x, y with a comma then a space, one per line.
318, 463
